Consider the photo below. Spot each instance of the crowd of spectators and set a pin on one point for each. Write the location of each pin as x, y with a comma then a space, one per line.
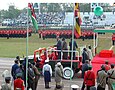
50, 17
44, 18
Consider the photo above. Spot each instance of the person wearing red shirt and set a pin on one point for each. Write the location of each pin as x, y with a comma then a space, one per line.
113, 39
89, 78
19, 83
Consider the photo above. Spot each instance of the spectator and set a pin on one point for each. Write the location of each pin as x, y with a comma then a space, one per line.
31, 77
59, 47
20, 71
18, 58
6, 74
101, 78
107, 66
85, 68
111, 77
90, 55
74, 49
84, 55
37, 74
14, 67
64, 47
89, 78
7, 84
47, 73
58, 76
19, 83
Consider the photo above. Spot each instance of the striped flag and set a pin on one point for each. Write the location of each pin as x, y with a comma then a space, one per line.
31, 13
77, 30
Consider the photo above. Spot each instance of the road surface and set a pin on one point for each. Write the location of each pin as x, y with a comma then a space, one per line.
6, 63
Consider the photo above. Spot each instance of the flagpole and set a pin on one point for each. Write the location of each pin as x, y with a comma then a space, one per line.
72, 44
27, 50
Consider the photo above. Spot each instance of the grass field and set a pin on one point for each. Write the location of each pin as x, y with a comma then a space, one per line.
17, 46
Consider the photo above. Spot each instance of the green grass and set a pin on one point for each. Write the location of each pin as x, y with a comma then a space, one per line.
17, 46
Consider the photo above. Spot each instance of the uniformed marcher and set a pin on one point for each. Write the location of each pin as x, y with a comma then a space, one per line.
47, 73
101, 78
111, 77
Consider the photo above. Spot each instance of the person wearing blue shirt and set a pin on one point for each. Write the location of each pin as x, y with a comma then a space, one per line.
14, 67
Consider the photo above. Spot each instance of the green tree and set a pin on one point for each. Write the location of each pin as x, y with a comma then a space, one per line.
12, 12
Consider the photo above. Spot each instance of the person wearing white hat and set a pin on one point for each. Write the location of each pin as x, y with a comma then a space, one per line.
58, 76
74, 87
47, 73
6, 74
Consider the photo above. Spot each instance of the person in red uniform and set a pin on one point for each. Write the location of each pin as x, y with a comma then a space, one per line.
113, 39
19, 83
89, 78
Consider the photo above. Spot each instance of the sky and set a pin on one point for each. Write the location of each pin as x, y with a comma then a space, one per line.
20, 4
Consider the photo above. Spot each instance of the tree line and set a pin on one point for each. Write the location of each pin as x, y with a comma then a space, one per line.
13, 12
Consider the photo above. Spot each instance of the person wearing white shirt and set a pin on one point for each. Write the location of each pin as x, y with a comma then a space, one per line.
90, 53
47, 73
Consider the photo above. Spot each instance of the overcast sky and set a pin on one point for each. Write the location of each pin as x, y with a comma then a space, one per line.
20, 4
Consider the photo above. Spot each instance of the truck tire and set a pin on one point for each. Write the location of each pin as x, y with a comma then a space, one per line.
68, 73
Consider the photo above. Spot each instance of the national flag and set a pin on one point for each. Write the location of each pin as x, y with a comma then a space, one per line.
77, 29
31, 13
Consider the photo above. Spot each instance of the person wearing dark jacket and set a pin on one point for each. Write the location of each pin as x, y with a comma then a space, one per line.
37, 74
64, 47
31, 77
84, 55
14, 67
85, 67
59, 47
74, 49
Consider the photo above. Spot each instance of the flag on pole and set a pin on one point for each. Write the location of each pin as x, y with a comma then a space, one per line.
77, 30
32, 14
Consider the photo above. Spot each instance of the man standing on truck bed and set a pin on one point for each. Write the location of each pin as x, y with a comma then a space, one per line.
74, 49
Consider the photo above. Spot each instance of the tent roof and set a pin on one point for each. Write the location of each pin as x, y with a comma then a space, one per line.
105, 30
